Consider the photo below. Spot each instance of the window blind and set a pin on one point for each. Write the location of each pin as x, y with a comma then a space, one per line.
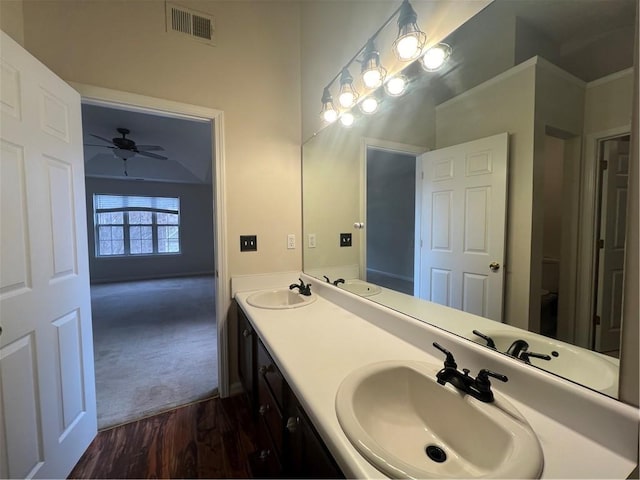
115, 203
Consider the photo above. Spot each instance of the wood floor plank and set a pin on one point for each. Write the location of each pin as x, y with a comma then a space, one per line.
208, 439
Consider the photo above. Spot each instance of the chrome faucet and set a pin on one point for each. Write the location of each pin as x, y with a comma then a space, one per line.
302, 288
479, 387
338, 281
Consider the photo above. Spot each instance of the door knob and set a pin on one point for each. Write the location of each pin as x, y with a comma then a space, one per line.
494, 266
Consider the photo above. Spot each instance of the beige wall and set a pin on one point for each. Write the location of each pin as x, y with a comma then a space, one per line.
333, 31
607, 104
11, 19
503, 105
254, 79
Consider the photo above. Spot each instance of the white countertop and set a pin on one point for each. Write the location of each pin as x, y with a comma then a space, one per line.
318, 345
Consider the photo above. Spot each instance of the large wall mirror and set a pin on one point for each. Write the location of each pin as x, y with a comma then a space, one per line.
496, 186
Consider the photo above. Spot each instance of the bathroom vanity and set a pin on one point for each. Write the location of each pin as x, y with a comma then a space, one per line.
294, 360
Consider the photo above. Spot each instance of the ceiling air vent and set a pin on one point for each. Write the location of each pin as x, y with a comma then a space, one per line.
187, 22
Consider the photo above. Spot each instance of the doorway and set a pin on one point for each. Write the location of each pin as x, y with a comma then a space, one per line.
150, 229
611, 230
390, 217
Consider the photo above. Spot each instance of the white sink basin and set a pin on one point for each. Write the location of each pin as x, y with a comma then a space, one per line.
360, 287
280, 299
583, 366
392, 412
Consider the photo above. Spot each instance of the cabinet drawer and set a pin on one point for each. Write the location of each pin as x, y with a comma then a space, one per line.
270, 413
268, 371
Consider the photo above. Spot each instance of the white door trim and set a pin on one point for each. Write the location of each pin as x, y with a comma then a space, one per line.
388, 146
131, 101
582, 333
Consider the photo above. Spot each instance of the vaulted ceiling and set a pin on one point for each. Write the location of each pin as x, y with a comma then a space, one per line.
187, 144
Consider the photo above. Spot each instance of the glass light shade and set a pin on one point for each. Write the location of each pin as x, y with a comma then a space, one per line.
436, 57
396, 86
410, 40
347, 119
347, 99
348, 95
369, 105
372, 72
330, 115
328, 112
372, 78
407, 47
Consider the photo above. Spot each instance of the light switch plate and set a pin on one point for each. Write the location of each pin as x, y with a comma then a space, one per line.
312, 240
248, 243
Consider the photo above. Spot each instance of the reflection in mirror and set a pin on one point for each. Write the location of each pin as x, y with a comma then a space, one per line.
496, 186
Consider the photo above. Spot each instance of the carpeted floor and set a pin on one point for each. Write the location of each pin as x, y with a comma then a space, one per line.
155, 345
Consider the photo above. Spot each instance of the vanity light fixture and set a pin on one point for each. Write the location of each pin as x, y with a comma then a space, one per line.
347, 119
396, 85
328, 112
369, 105
435, 57
410, 40
348, 95
373, 72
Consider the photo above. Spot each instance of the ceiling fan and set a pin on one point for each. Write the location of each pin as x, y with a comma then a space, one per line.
125, 148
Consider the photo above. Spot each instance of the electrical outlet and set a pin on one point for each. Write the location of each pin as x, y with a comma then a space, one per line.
345, 239
291, 241
312, 240
248, 243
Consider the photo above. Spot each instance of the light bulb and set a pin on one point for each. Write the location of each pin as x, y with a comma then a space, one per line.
347, 119
372, 78
396, 86
347, 99
369, 105
407, 47
330, 116
435, 57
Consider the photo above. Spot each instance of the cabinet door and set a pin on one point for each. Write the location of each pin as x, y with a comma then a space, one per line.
246, 355
307, 455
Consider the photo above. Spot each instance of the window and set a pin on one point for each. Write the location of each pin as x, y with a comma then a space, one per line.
136, 225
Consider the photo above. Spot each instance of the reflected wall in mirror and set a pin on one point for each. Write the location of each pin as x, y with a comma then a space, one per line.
553, 81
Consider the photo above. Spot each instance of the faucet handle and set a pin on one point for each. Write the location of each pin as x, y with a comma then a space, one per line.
486, 338
449, 361
526, 355
484, 374
327, 279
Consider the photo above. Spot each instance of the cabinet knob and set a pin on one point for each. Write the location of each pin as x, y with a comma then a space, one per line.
246, 332
263, 409
264, 454
264, 369
292, 424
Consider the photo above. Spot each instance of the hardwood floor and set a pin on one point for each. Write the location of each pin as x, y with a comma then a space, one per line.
209, 439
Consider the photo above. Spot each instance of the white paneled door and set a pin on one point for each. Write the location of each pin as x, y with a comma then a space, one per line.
47, 387
462, 226
613, 226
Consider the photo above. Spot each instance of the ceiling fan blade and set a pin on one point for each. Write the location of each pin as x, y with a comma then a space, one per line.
93, 145
147, 148
151, 155
102, 138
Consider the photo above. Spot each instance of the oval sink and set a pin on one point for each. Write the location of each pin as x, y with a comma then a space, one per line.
407, 425
360, 287
588, 368
280, 299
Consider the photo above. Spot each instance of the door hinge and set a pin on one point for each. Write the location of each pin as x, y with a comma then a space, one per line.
422, 175
604, 164
596, 319
601, 243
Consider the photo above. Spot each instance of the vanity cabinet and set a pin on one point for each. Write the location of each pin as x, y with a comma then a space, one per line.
246, 355
288, 444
